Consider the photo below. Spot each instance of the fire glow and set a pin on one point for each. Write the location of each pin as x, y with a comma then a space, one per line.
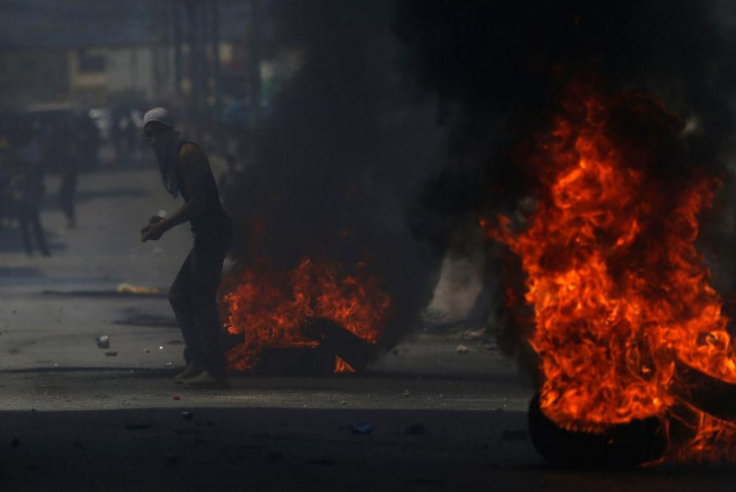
619, 292
270, 309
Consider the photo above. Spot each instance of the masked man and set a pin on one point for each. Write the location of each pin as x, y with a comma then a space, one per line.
185, 169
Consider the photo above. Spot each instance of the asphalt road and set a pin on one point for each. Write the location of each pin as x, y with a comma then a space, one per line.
424, 417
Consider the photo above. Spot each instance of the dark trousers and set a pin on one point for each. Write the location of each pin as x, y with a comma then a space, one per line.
67, 192
29, 220
193, 296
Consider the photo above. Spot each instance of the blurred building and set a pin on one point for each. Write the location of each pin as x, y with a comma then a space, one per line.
96, 53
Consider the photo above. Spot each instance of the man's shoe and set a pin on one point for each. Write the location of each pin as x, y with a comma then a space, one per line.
206, 380
193, 369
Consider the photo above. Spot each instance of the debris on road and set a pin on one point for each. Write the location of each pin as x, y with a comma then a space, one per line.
137, 289
406, 393
477, 333
111, 353
176, 397
103, 342
361, 428
462, 349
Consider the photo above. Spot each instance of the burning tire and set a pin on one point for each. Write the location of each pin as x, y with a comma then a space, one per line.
706, 393
636, 443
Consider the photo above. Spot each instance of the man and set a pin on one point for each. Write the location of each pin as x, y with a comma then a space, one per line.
27, 190
193, 296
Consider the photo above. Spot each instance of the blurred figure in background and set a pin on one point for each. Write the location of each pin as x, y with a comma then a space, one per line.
67, 155
126, 124
86, 140
5, 177
25, 189
230, 178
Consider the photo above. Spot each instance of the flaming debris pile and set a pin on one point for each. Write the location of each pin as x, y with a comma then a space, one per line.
337, 161
278, 309
599, 207
620, 295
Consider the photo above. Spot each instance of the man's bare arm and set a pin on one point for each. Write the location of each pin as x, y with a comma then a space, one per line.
192, 169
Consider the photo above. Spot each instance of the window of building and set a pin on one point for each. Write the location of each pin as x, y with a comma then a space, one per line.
90, 62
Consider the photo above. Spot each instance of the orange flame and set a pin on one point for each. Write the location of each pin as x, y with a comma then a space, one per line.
270, 309
618, 290
342, 366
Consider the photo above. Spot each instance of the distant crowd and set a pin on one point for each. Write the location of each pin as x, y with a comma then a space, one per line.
65, 141
31, 145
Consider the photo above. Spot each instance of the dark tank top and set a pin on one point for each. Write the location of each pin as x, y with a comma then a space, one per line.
213, 227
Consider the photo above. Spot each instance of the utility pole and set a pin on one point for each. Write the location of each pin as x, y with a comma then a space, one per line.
165, 71
158, 12
196, 98
254, 42
193, 51
177, 40
204, 69
216, 53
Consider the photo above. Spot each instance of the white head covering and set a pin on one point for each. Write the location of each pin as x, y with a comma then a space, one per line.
159, 115
168, 153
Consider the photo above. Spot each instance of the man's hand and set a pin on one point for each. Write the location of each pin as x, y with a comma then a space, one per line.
153, 231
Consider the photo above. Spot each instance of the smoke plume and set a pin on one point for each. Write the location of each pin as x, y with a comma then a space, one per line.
399, 129
341, 156
500, 70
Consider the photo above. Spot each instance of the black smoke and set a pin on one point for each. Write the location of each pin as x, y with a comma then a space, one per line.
501, 68
341, 155
399, 128
505, 63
